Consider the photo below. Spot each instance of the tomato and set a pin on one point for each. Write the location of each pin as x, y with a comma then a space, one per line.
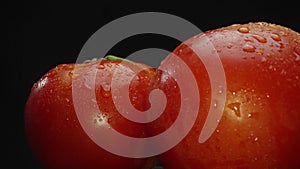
260, 122
54, 132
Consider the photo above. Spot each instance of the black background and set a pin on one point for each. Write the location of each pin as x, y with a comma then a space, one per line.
46, 33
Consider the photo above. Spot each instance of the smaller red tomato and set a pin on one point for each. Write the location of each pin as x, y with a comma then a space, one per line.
52, 126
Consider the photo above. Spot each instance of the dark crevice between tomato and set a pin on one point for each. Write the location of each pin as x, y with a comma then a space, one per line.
144, 82
166, 83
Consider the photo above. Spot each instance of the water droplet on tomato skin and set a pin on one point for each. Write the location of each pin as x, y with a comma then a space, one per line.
215, 104
71, 74
100, 120
105, 93
271, 67
236, 108
249, 48
243, 30
220, 89
260, 38
263, 59
275, 37
42, 82
105, 90
282, 33
106, 87
283, 72
100, 66
260, 53
229, 46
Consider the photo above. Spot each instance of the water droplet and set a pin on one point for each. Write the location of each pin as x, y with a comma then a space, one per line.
178, 52
283, 72
105, 93
215, 104
67, 100
101, 66
97, 118
263, 59
106, 86
220, 89
42, 82
234, 93
134, 98
260, 53
236, 108
248, 48
275, 37
100, 119
272, 25
271, 67
109, 64
229, 46
71, 74
260, 38
243, 30
268, 96
282, 33
250, 115
256, 139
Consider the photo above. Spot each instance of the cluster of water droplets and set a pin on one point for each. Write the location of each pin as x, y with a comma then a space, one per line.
276, 37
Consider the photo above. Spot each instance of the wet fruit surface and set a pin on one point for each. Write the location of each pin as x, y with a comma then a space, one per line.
54, 133
261, 121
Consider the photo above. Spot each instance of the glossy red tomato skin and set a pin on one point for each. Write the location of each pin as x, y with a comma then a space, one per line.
54, 132
261, 120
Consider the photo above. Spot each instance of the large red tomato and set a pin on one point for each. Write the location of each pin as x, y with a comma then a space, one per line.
53, 130
260, 124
